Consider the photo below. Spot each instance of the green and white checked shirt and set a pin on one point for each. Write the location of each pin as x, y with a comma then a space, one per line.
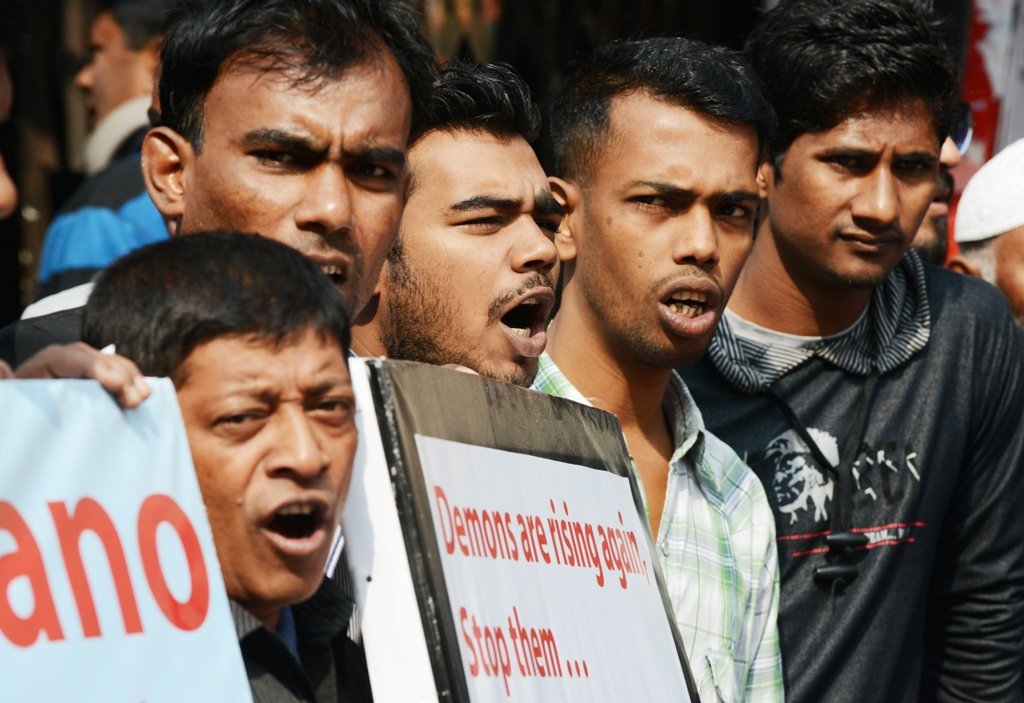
717, 548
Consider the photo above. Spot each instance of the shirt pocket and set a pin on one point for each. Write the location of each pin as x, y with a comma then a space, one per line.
722, 671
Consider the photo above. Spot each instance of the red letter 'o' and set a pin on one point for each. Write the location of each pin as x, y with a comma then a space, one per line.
190, 614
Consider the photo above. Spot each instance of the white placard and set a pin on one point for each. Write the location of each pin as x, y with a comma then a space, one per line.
109, 584
389, 619
550, 579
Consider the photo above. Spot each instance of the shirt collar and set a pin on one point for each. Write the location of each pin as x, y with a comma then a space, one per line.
320, 618
684, 418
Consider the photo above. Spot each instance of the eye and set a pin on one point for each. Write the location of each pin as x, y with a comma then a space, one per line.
651, 201
550, 226
374, 171
485, 224
240, 424
276, 157
850, 162
736, 211
334, 410
913, 166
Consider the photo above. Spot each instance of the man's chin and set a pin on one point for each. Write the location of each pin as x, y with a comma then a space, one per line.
518, 372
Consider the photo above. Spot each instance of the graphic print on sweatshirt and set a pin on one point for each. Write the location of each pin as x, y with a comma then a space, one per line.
802, 492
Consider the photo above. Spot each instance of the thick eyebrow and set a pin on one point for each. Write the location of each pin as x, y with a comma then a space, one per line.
670, 191
278, 137
486, 202
288, 140
328, 386
381, 154
923, 157
547, 205
740, 196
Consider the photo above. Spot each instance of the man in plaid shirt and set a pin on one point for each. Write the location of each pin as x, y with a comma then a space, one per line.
657, 144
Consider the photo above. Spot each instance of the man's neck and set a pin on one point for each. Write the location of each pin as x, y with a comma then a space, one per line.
630, 390
768, 295
619, 384
366, 337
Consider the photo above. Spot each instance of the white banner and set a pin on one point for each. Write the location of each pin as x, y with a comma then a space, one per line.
550, 579
109, 584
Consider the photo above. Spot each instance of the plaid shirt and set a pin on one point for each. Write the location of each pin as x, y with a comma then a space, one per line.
716, 542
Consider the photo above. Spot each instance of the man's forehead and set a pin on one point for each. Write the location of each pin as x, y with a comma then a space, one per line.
367, 97
465, 164
220, 357
882, 122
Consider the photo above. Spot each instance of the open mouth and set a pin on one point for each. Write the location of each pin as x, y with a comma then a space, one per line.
336, 273
689, 306
526, 317
526, 320
688, 303
299, 529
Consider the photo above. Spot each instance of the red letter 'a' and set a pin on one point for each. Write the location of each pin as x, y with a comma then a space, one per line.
190, 614
90, 515
28, 562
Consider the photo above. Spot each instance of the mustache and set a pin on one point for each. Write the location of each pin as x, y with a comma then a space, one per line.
498, 305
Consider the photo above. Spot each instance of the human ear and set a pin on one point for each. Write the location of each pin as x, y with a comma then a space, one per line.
570, 197
167, 158
765, 176
964, 266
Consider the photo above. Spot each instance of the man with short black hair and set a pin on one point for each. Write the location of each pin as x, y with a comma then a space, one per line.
658, 144
879, 400
284, 119
471, 279
269, 411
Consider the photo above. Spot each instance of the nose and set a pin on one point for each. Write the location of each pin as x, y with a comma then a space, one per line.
877, 201
533, 249
84, 77
326, 201
298, 447
696, 241
949, 156
8, 192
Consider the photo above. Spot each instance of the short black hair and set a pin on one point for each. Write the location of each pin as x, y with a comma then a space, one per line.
480, 97
158, 303
824, 60
140, 20
318, 39
713, 81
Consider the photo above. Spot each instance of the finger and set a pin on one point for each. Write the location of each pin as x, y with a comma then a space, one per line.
5, 370
116, 374
122, 379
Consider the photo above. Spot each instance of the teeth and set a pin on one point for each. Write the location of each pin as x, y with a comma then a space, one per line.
297, 509
530, 301
331, 269
520, 331
687, 310
690, 297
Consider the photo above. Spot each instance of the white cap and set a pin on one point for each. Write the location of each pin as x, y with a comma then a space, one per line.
993, 200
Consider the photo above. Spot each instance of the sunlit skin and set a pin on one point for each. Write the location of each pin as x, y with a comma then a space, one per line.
667, 210
319, 166
842, 211
115, 72
271, 428
476, 245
